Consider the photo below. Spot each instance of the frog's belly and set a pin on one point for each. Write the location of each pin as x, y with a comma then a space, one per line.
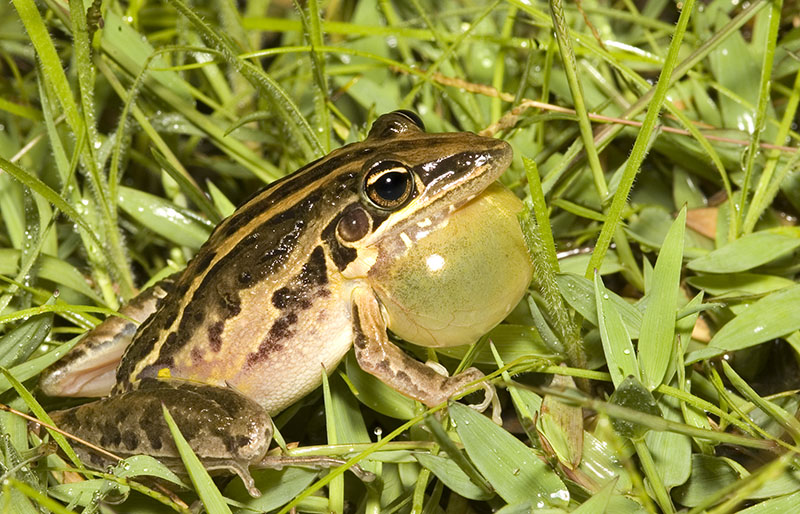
287, 374
277, 362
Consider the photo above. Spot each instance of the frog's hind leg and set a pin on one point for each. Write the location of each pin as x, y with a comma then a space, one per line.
224, 428
89, 369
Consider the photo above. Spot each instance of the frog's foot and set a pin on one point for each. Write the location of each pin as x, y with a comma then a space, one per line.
315, 462
473, 374
237, 467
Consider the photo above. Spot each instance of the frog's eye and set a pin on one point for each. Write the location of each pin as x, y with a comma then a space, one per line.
413, 117
389, 184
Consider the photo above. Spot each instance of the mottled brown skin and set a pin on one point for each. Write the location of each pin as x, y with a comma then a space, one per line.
139, 426
279, 293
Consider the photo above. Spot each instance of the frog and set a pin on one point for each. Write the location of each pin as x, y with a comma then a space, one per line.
405, 235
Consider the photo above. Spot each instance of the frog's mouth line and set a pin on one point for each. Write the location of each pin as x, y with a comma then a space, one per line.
495, 175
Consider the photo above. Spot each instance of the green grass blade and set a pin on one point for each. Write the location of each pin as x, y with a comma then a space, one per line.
580, 295
287, 108
18, 344
516, 473
50, 62
180, 226
453, 477
212, 499
639, 148
620, 355
48, 194
739, 283
571, 71
40, 413
784, 418
747, 252
770, 317
38, 497
315, 37
753, 150
657, 336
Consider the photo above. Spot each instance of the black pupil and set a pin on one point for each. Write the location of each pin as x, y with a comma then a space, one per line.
392, 185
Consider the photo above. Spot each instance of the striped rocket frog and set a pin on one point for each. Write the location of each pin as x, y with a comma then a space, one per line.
406, 231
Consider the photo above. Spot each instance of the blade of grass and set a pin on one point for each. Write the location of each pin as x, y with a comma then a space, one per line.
579, 293
511, 467
39, 497
287, 108
544, 277
189, 188
540, 211
747, 252
50, 62
620, 354
336, 486
42, 189
651, 472
209, 494
40, 413
770, 317
657, 336
314, 34
762, 197
761, 112
571, 71
785, 419
447, 51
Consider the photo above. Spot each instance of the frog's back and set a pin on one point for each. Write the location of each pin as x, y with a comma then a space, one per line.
263, 294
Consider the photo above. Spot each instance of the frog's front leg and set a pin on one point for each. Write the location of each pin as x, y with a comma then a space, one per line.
226, 429
380, 357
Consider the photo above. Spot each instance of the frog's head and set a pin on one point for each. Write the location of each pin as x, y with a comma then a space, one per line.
416, 177
436, 237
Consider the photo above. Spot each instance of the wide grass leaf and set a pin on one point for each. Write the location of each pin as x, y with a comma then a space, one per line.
599, 500
19, 344
146, 465
656, 341
748, 251
128, 48
780, 505
739, 283
770, 317
277, 487
86, 492
617, 344
601, 464
709, 474
40, 413
513, 469
164, 218
671, 452
579, 294
452, 476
